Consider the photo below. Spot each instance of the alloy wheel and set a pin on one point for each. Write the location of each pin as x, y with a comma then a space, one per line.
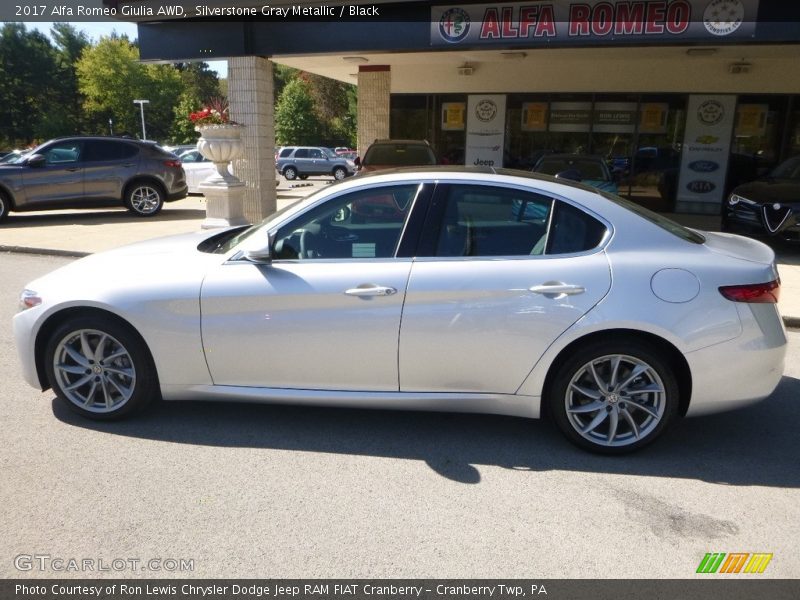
145, 200
615, 400
94, 371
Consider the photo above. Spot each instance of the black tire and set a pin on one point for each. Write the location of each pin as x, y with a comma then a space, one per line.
290, 173
5, 205
339, 173
144, 199
652, 413
113, 389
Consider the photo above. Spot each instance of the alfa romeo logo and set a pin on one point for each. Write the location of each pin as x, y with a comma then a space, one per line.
486, 110
710, 112
723, 17
454, 25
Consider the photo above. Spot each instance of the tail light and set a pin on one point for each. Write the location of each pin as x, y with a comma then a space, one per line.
759, 293
173, 164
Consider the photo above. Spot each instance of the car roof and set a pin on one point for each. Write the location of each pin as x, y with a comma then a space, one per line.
420, 142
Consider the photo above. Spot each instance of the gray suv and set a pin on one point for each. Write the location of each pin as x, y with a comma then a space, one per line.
302, 161
91, 172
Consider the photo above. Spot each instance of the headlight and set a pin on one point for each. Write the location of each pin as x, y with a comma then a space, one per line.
29, 299
735, 199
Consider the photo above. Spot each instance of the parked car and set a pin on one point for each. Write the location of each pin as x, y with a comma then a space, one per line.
460, 306
180, 148
386, 154
770, 205
90, 172
588, 169
197, 168
340, 150
303, 161
13, 156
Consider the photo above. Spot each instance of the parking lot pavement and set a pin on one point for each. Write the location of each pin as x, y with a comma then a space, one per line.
270, 491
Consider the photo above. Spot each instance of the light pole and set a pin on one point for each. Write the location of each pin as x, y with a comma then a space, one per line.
141, 104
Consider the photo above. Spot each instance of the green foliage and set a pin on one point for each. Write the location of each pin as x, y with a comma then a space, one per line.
182, 131
111, 78
27, 90
296, 121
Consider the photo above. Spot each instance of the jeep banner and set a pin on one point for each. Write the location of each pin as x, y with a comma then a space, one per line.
486, 122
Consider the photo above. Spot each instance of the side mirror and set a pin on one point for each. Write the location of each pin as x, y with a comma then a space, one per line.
36, 161
261, 255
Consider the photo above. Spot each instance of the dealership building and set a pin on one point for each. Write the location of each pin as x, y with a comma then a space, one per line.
683, 98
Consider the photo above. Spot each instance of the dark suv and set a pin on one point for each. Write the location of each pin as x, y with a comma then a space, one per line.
386, 154
91, 172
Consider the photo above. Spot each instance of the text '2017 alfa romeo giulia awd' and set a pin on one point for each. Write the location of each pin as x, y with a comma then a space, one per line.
448, 289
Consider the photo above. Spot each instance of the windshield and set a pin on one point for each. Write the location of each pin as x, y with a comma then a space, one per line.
789, 169
329, 153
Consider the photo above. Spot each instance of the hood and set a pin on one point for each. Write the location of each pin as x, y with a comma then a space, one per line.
129, 271
765, 191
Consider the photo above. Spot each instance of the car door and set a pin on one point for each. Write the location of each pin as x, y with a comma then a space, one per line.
325, 313
107, 165
302, 161
502, 272
317, 162
59, 179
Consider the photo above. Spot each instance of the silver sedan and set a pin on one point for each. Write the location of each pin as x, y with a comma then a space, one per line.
431, 289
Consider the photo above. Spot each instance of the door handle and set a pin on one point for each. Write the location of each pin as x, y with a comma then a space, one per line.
369, 289
557, 289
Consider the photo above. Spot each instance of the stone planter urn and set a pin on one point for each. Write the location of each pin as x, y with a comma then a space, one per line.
224, 191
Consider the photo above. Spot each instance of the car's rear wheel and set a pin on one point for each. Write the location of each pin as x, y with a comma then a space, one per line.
5, 205
144, 199
290, 173
614, 397
99, 368
339, 173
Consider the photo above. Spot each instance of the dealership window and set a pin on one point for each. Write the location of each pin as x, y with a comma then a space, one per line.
792, 134
757, 133
410, 117
651, 178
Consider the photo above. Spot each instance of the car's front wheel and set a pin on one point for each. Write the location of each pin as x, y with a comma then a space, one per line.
614, 397
290, 173
144, 199
99, 368
339, 173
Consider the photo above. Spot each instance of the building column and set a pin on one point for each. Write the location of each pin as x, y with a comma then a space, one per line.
252, 104
374, 90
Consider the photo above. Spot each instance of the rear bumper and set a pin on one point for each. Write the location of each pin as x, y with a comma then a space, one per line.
743, 370
177, 195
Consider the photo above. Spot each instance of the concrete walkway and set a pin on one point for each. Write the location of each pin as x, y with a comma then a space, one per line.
78, 233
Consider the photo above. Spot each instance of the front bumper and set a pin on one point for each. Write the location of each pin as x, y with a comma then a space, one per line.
783, 221
23, 325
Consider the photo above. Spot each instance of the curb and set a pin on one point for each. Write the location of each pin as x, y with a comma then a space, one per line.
43, 251
789, 322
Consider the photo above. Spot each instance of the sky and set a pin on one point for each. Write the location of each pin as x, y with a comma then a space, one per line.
96, 30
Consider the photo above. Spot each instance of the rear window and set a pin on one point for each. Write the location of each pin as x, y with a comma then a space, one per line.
589, 169
664, 223
286, 152
399, 155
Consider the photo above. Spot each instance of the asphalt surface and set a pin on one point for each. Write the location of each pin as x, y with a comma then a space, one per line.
266, 491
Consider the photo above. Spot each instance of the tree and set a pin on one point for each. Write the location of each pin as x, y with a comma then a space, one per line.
199, 81
70, 44
111, 78
29, 68
182, 131
296, 121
